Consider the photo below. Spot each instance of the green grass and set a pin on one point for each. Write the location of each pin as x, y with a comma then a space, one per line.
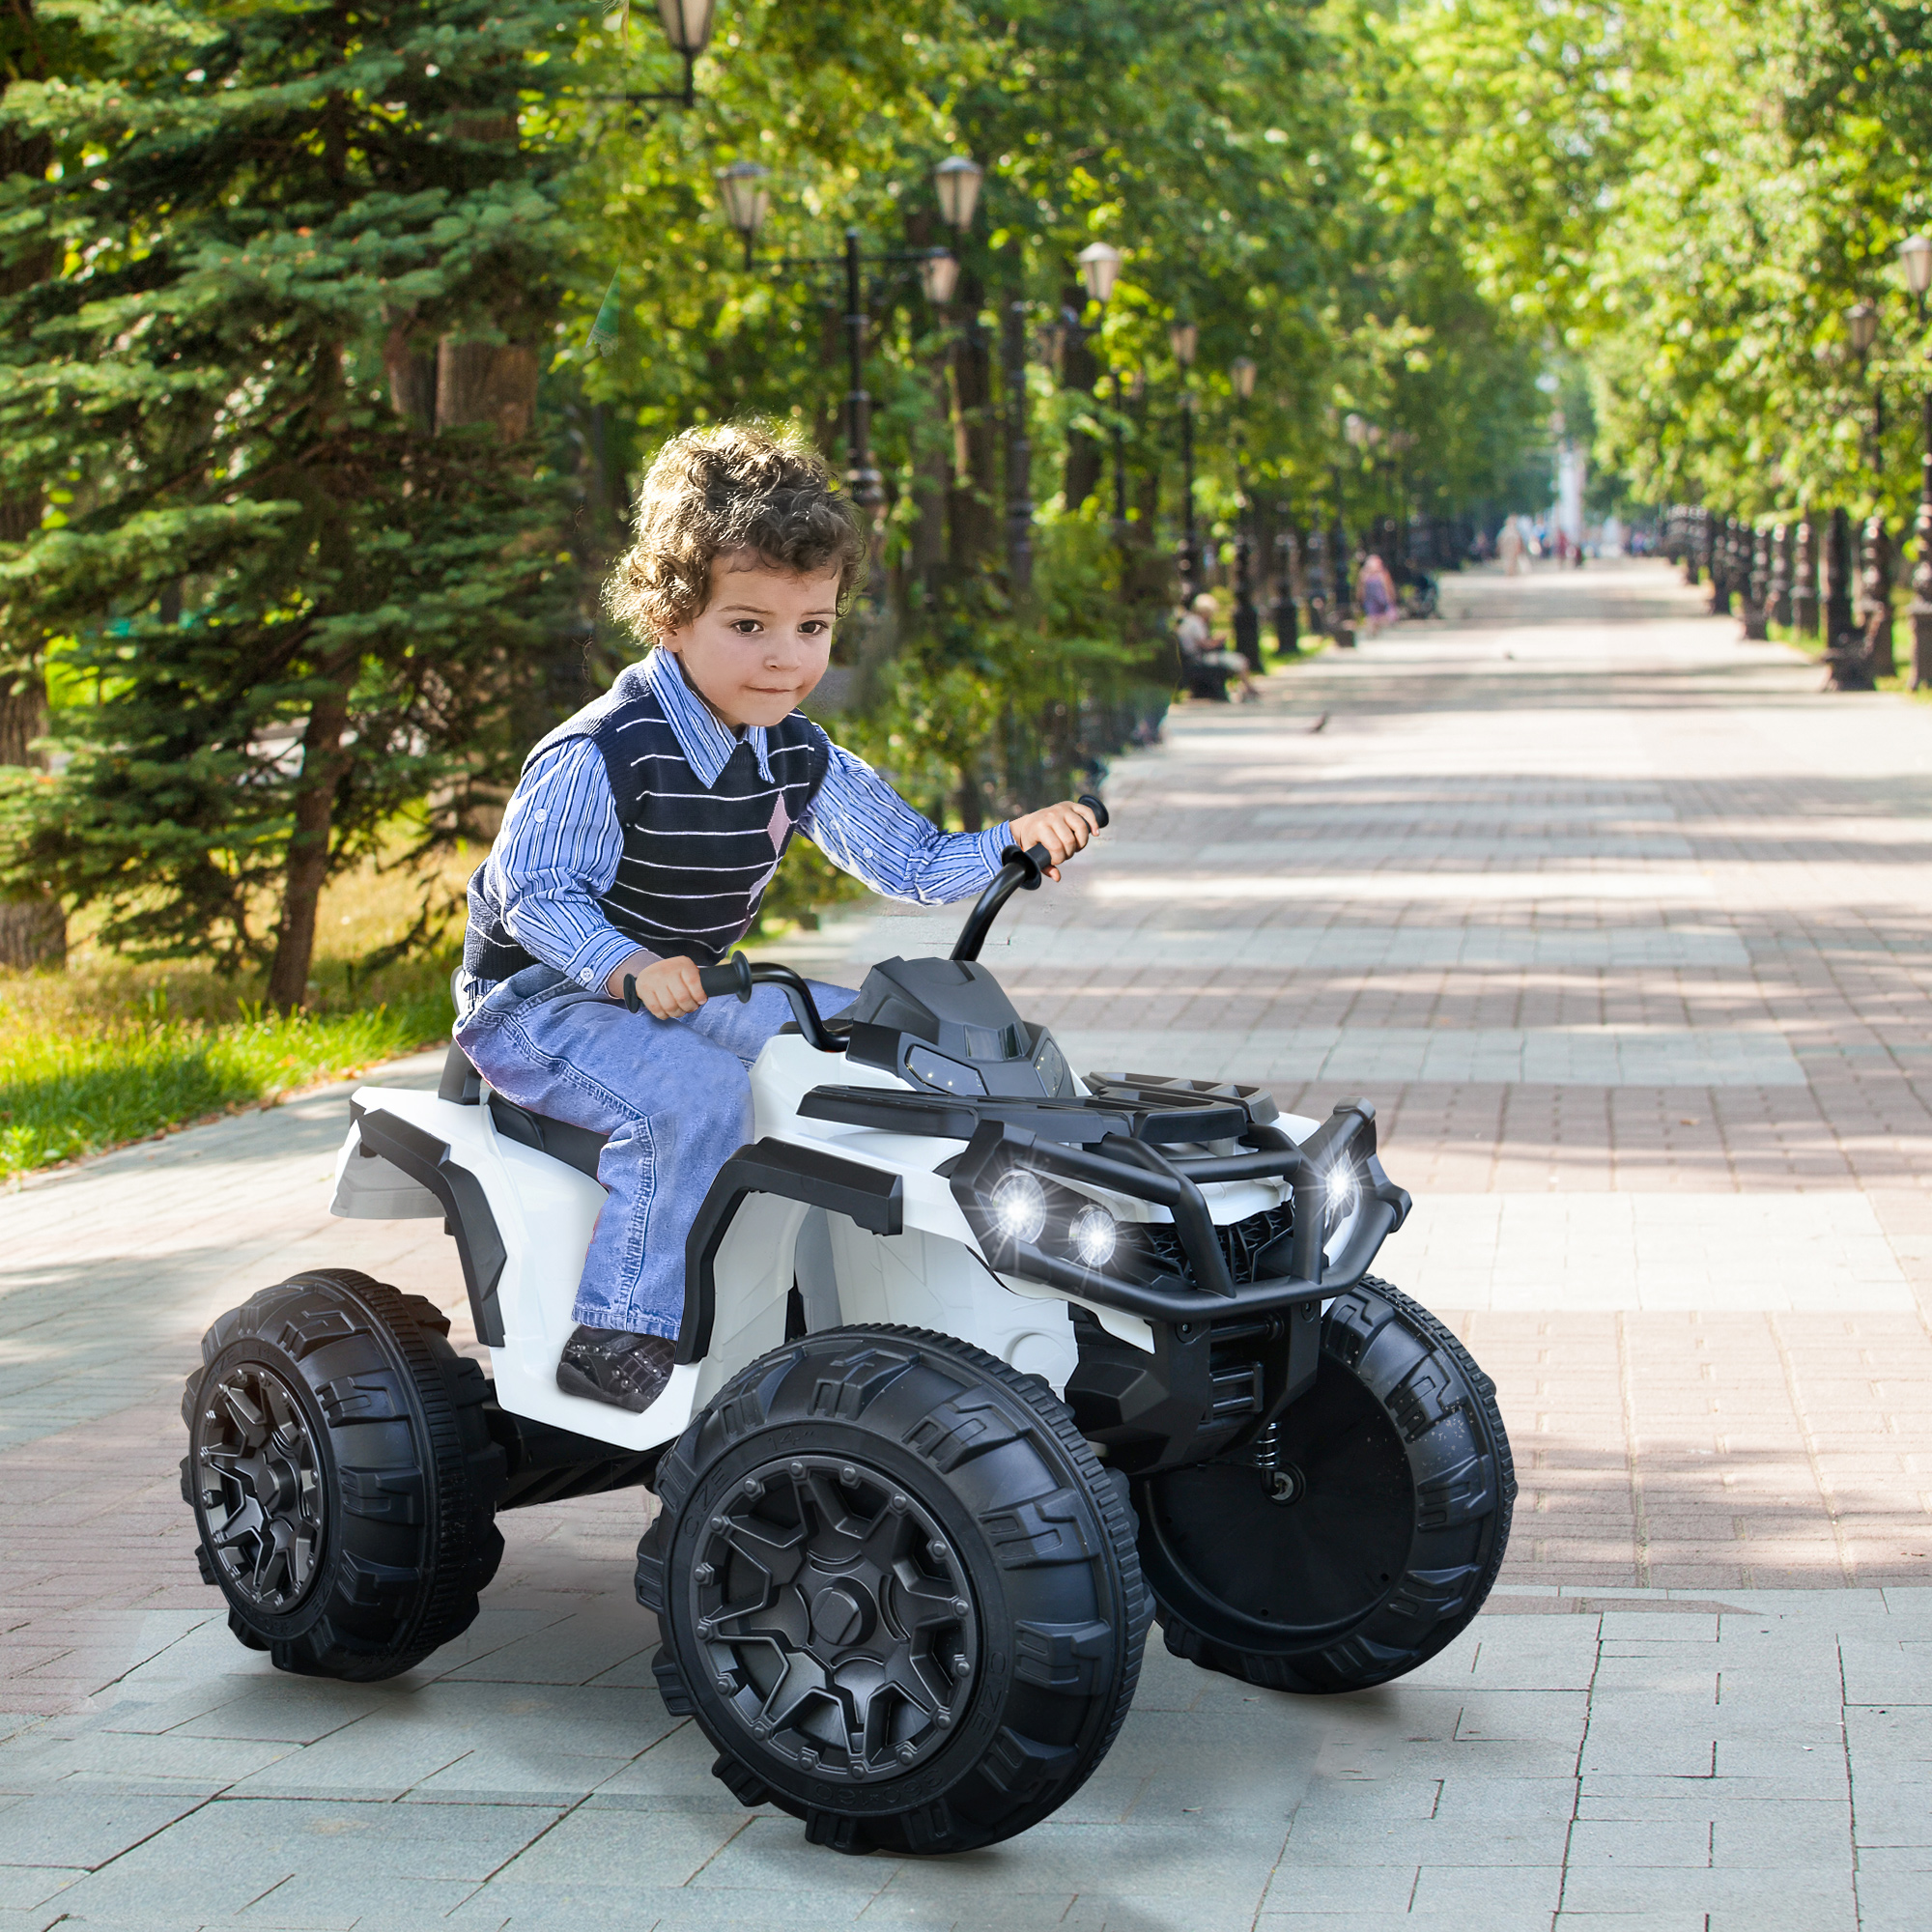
74, 1091
106, 1052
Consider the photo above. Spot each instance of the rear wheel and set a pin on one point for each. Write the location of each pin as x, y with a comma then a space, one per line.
1370, 1532
342, 1475
897, 1590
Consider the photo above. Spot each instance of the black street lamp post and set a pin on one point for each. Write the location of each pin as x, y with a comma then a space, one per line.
1247, 619
1184, 338
1838, 579
1916, 253
1099, 265
1874, 563
1862, 326
1287, 618
1805, 610
1019, 448
747, 202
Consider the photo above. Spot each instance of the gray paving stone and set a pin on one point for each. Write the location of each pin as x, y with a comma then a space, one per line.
587, 1904
1469, 1892
107, 1758
1622, 1843
668, 1844
1647, 1917
1819, 1899
274, 1709
1371, 1842
39, 1918
24, 1887
1891, 1901
59, 1831
1207, 1860
1302, 1887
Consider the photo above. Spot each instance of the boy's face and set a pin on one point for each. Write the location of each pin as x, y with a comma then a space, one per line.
757, 649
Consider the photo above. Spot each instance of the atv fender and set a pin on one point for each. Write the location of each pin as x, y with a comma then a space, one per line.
524, 1218
868, 1232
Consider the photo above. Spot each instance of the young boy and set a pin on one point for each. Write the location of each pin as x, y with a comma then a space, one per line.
640, 840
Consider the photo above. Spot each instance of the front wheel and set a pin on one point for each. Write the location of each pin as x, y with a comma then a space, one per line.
897, 1590
1365, 1535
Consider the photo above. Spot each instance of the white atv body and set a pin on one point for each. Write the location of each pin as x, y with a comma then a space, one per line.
981, 1366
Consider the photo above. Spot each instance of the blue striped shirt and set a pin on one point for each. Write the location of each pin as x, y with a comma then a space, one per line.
560, 848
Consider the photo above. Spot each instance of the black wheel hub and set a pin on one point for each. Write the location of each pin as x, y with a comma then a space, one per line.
835, 1618
1301, 1545
261, 1492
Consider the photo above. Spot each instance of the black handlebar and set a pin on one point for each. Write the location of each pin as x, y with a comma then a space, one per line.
733, 976
738, 976
1019, 871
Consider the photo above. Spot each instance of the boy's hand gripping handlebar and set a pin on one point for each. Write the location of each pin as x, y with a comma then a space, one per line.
738, 976
1019, 871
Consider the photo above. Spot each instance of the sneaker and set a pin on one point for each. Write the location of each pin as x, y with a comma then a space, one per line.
615, 1366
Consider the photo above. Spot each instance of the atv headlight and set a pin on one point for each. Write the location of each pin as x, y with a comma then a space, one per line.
1018, 1205
1095, 1236
1341, 1192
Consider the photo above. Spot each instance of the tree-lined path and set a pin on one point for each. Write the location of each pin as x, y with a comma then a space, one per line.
1627, 930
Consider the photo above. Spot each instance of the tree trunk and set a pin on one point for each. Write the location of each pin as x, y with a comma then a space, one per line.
411, 371
486, 382
323, 760
33, 930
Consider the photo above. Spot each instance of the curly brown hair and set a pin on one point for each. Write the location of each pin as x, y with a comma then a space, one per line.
742, 486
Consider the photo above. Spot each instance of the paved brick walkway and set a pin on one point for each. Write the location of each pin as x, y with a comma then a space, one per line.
1627, 930
1620, 925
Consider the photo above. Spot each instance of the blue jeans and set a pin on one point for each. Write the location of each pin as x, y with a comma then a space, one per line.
674, 1097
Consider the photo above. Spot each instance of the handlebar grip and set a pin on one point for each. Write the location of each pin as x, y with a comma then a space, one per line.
1093, 804
734, 976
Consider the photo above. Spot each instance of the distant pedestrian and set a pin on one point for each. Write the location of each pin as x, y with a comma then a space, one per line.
1509, 547
1200, 660
1377, 594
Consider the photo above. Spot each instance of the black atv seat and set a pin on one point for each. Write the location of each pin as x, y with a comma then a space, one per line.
574, 1147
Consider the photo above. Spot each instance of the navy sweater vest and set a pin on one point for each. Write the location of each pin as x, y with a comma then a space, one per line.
696, 860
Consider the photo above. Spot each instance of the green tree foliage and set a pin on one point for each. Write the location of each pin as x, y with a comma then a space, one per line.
1692, 198
325, 461
1241, 155
1259, 165
299, 544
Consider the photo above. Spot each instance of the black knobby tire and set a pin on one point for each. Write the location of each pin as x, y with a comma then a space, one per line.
1377, 1539
897, 1591
342, 1475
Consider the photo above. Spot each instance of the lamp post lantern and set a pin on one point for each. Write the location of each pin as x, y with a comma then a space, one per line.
686, 31
1099, 265
957, 181
747, 201
1184, 338
1247, 619
939, 276
1914, 252
1099, 269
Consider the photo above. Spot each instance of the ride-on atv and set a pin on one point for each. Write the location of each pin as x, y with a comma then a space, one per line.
981, 1366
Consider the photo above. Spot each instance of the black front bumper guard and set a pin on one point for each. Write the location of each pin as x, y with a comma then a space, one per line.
1144, 1173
